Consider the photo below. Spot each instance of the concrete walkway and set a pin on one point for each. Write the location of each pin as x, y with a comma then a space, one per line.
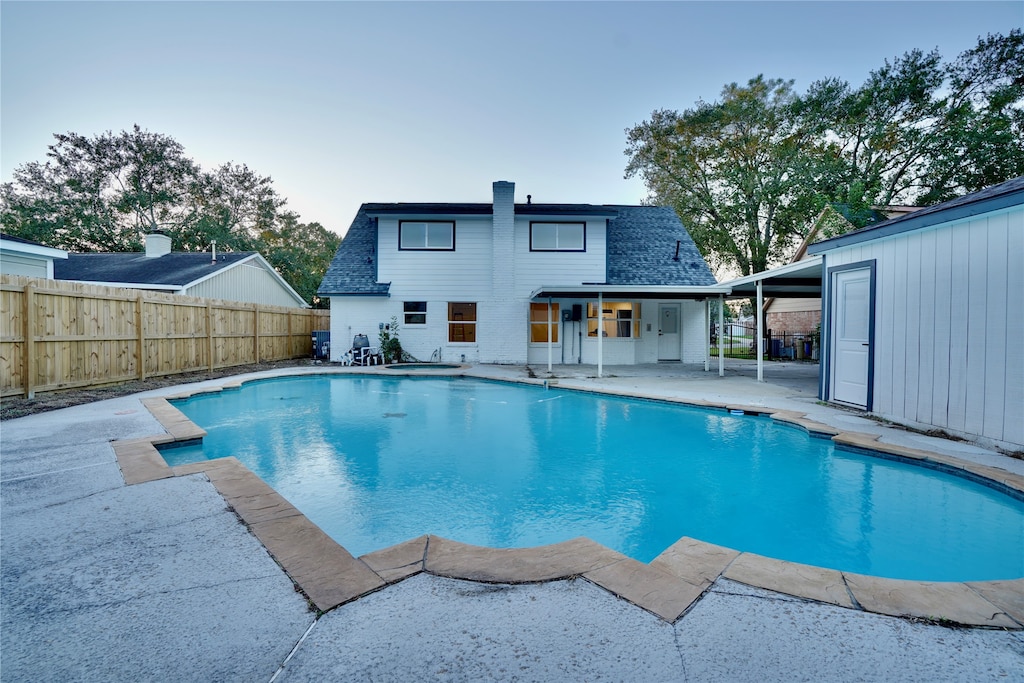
158, 581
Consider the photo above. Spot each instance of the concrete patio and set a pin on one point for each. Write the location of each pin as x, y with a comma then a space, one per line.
160, 580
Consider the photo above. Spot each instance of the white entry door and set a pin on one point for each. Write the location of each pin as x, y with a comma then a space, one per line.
668, 332
851, 336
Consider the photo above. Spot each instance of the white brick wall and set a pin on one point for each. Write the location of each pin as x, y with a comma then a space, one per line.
501, 329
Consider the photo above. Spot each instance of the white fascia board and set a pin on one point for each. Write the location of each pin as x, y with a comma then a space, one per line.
176, 289
811, 264
649, 292
31, 249
258, 258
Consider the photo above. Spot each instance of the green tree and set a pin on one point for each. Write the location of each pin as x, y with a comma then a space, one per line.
738, 172
921, 131
749, 174
104, 193
301, 253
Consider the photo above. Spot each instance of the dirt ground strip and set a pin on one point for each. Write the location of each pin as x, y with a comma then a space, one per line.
19, 406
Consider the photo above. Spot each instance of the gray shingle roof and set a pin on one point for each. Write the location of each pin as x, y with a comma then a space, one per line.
353, 270
175, 269
642, 249
641, 245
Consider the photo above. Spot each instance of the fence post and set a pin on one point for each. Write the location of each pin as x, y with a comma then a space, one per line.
140, 338
256, 331
291, 346
209, 334
28, 323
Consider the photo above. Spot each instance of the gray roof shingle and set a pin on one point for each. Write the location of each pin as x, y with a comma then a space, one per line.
353, 270
174, 269
642, 249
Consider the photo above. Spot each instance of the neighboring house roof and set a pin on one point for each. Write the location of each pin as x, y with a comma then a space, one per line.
641, 247
170, 271
175, 271
1010, 193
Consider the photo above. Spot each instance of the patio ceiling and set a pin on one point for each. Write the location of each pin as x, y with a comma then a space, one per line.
592, 291
796, 280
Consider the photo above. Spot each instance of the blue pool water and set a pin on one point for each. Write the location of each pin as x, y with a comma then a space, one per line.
379, 460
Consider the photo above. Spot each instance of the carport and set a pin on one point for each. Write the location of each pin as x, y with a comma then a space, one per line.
802, 279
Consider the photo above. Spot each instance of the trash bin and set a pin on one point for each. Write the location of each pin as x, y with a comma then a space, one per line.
321, 344
776, 348
798, 345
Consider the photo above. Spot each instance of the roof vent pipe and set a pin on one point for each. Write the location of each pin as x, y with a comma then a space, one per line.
213, 250
676, 257
529, 198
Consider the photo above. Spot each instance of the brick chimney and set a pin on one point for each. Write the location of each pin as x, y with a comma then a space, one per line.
157, 244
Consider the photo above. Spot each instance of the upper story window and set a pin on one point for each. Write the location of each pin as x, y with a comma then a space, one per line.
558, 236
431, 235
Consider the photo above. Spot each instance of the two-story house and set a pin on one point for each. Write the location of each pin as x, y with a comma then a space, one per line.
522, 283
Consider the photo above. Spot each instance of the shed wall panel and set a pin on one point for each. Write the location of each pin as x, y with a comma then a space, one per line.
947, 317
1013, 425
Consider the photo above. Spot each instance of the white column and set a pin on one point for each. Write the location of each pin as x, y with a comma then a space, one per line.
549, 335
721, 329
707, 335
600, 332
760, 332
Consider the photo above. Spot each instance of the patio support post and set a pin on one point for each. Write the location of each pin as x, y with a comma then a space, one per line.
760, 331
721, 329
549, 335
600, 332
707, 332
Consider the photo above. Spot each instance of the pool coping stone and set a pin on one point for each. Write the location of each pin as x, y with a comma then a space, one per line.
668, 587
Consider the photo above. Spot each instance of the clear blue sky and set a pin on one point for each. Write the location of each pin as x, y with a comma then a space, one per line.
344, 102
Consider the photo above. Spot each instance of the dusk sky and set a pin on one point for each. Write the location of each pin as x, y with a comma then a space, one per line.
345, 102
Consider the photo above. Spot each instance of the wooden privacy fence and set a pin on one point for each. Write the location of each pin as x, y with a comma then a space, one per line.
59, 335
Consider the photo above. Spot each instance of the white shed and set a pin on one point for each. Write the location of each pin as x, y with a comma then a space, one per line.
923, 317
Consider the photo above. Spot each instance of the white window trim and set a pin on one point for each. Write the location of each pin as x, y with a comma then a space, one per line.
407, 313
583, 243
426, 232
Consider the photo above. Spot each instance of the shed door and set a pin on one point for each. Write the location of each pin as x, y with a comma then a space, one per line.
668, 332
851, 336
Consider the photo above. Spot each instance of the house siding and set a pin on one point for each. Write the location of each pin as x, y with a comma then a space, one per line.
17, 264
492, 265
948, 303
437, 275
535, 269
248, 282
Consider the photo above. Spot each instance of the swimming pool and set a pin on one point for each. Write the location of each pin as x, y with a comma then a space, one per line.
378, 460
